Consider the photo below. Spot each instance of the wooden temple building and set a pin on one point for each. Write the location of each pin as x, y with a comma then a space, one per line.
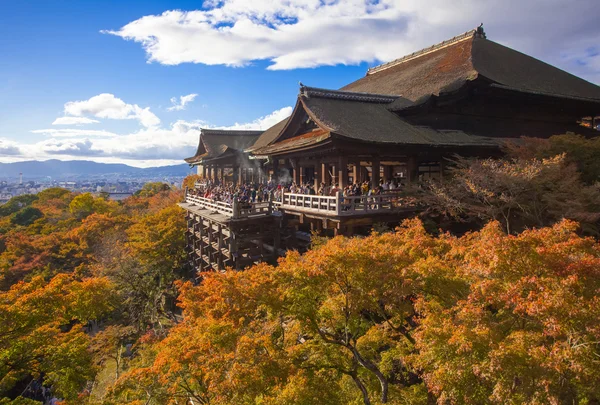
464, 96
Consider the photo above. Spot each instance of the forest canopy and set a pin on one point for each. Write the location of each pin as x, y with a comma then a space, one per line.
98, 304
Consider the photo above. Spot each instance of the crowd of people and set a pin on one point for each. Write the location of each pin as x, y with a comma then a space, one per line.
255, 192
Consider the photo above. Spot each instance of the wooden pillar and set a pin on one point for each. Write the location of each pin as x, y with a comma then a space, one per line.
375, 168
364, 174
342, 172
318, 175
355, 171
235, 175
301, 174
412, 169
204, 171
387, 173
209, 247
275, 170
295, 172
201, 240
220, 248
442, 167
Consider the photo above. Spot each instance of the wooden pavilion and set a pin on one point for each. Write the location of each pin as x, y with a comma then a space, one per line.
220, 156
463, 96
466, 96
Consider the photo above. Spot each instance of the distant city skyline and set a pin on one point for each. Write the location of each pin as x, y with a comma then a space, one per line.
132, 82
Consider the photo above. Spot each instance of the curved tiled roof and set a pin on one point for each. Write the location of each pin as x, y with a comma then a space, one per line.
215, 142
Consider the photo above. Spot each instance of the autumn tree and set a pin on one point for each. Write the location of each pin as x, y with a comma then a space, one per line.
341, 316
581, 151
150, 189
42, 336
518, 193
527, 332
86, 204
190, 181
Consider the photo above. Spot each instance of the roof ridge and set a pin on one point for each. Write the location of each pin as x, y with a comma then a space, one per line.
308, 92
216, 131
474, 33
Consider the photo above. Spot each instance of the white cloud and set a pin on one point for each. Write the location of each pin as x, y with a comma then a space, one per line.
263, 122
106, 105
74, 121
183, 100
9, 148
310, 33
74, 132
152, 146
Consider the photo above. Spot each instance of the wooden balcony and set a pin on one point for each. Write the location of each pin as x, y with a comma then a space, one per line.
327, 206
339, 206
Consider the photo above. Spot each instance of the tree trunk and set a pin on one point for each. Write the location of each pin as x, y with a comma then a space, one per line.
373, 368
362, 388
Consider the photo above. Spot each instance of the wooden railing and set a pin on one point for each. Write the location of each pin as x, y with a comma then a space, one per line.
314, 203
343, 206
234, 210
218, 206
326, 205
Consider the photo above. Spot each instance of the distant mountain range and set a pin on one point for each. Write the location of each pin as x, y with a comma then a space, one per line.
58, 169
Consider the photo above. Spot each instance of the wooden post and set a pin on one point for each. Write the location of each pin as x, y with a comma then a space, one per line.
363, 173
236, 208
343, 172
275, 165
333, 172
338, 202
220, 248
236, 177
295, 173
375, 168
209, 248
318, 175
412, 168
355, 171
270, 202
201, 237
204, 172
301, 170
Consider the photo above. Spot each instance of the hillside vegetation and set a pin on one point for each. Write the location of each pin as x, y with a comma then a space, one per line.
95, 306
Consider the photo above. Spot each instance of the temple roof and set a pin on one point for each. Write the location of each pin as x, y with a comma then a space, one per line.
361, 117
269, 135
465, 58
371, 121
215, 142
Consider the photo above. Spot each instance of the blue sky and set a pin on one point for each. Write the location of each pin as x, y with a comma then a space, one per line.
112, 67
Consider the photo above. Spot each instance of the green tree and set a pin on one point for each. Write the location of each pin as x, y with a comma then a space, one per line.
26, 216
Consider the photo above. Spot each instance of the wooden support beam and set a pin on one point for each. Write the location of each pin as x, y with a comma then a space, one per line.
295, 171
318, 175
412, 168
342, 172
355, 171
220, 250
375, 169
201, 241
